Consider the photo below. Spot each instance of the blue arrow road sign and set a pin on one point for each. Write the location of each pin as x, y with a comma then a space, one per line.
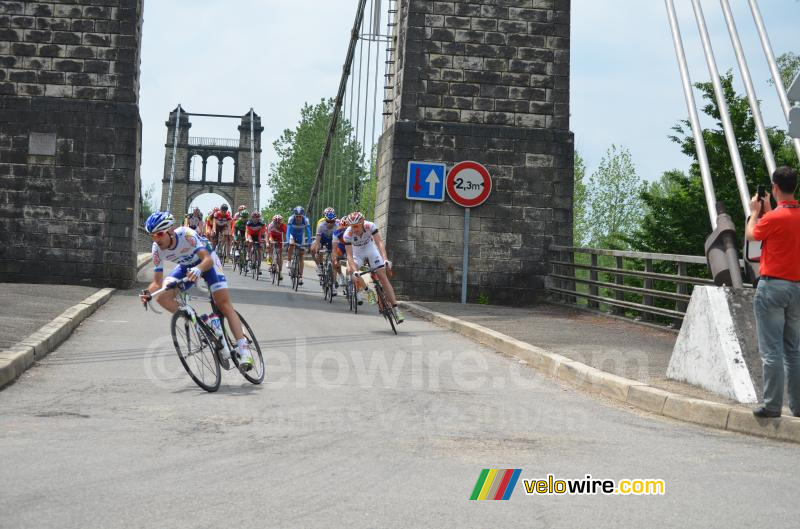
425, 181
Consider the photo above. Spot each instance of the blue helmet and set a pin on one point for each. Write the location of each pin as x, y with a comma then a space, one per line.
159, 221
299, 210
329, 214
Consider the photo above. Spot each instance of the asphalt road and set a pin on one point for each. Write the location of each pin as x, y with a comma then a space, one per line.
354, 427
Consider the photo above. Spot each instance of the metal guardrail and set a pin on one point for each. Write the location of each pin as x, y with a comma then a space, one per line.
640, 285
214, 142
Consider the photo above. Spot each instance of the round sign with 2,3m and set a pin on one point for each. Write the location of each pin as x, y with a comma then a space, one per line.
468, 184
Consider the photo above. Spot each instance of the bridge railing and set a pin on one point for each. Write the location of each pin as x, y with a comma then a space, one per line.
644, 286
213, 142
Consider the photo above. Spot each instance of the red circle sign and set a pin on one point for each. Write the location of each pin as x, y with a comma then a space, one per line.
468, 184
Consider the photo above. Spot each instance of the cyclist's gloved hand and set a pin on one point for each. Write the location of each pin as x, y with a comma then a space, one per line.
194, 273
145, 296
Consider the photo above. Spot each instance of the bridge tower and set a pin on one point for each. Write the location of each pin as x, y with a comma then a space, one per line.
188, 184
486, 81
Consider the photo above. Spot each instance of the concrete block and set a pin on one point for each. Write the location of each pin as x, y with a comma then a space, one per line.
647, 398
715, 348
697, 411
616, 387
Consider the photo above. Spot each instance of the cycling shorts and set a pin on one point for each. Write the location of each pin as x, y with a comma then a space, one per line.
214, 277
296, 237
238, 234
369, 253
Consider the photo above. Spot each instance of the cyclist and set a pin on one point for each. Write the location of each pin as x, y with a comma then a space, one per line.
194, 220
299, 231
195, 259
339, 251
222, 221
256, 231
210, 226
325, 227
362, 241
239, 229
276, 234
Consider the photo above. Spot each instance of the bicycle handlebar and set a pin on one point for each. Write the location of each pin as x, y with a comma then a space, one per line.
168, 286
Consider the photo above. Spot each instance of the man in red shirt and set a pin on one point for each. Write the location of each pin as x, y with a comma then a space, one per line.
777, 300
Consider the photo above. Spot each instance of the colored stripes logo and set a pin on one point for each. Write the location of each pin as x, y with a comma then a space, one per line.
495, 484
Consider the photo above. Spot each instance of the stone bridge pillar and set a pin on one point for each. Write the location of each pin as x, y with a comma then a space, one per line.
70, 141
486, 81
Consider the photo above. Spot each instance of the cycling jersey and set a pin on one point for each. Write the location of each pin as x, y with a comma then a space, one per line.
325, 230
338, 239
256, 231
185, 252
364, 239
277, 232
364, 247
296, 231
194, 220
223, 219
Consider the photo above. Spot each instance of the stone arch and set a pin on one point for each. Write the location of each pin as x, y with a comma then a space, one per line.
209, 189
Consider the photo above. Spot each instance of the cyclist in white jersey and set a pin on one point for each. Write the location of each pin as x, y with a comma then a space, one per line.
195, 259
363, 242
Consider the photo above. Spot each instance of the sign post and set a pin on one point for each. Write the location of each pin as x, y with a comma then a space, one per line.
468, 184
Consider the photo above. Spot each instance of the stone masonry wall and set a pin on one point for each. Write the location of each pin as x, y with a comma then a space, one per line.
70, 140
482, 80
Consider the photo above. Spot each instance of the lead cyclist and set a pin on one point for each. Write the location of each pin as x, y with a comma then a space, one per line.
195, 259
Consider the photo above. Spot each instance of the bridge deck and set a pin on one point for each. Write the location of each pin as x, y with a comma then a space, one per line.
627, 349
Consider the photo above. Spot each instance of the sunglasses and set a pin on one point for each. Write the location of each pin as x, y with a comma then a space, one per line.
157, 234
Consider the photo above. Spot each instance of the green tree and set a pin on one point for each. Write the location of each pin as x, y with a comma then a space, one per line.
147, 202
788, 66
292, 177
676, 219
580, 222
613, 209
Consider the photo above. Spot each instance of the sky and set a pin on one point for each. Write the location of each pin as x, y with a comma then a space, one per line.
222, 57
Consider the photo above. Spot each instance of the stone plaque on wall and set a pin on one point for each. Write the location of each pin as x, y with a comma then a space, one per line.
42, 143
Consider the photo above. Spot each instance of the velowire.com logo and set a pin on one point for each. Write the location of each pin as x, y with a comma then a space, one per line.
495, 484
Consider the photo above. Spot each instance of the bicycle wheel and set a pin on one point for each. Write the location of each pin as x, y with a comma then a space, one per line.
295, 270
197, 347
256, 373
329, 282
387, 311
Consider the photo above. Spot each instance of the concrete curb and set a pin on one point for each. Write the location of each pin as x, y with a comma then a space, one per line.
632, 392
17, 359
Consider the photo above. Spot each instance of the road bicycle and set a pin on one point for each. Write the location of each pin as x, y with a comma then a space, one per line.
239, 257
294, 266
350, 294
326, 279
255, 258
276, 264
384, 308
222, 247
199, 347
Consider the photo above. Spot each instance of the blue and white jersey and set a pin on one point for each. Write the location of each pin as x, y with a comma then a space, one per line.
325, 230
298, 230
187, 245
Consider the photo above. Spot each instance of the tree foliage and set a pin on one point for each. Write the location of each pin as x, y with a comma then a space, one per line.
580, 222
676, 219
608, 209
788, 66
292, 177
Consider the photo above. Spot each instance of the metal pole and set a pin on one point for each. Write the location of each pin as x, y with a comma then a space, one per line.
773, 67
727, 126
465, 264
174, 154
769, 157
253, 160
697, 132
